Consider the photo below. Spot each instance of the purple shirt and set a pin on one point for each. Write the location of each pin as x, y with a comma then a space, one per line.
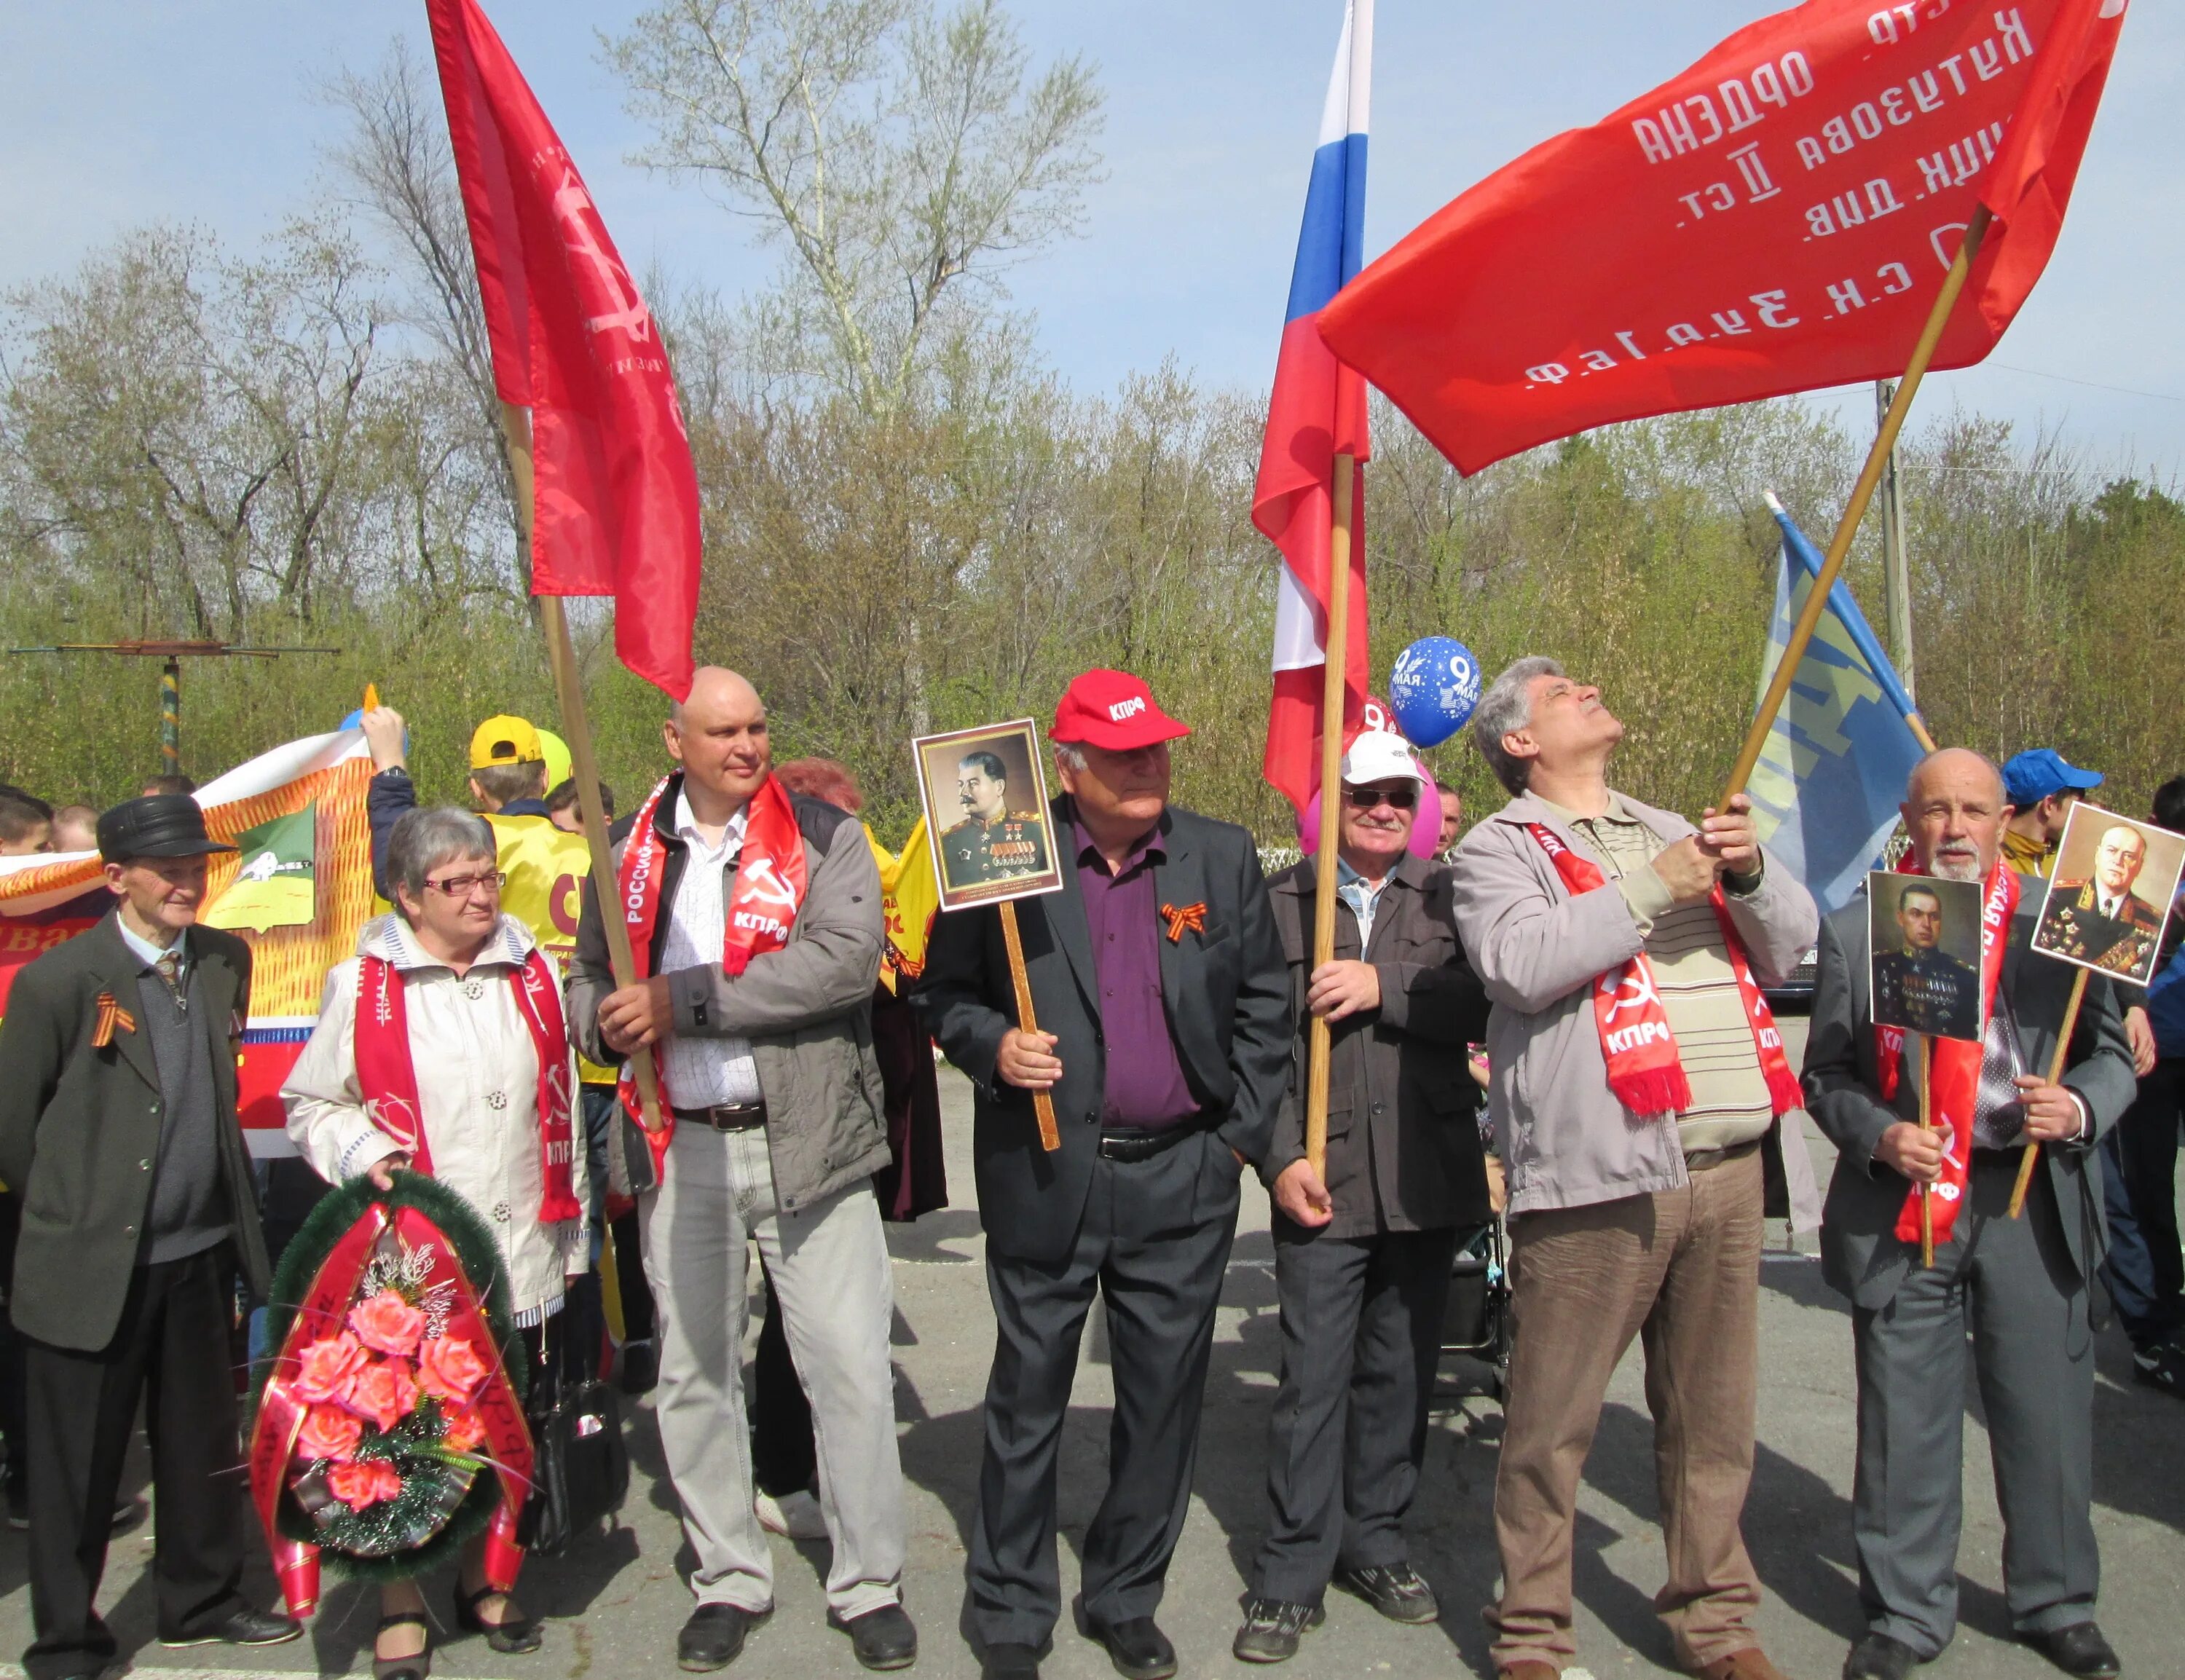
1144, 1083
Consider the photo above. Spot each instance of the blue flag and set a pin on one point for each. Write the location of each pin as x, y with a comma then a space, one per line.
1827, 789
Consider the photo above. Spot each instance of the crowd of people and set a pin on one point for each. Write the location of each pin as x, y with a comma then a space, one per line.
1559, 1020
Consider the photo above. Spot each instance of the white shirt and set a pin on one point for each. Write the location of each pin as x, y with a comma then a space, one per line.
2111, 905
702, 1072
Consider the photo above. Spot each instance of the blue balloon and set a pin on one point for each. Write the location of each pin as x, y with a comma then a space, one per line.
1433, 689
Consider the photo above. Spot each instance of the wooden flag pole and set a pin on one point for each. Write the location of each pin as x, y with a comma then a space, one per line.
1321, 1040
584, 765
1927, 1124
2031, 1153
1877, 459
1042, 1102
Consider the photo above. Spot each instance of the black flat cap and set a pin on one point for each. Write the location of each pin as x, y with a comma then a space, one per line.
158, 825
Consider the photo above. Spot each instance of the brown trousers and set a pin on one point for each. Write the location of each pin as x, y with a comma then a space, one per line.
1680, 1268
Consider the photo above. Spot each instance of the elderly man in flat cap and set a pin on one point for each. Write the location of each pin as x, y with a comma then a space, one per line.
118, 1123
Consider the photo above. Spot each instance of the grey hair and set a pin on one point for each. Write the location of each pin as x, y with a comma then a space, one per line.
426, 838
1070, 754
1505, 708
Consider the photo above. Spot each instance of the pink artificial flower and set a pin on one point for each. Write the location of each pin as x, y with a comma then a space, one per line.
449, 1368
387, 1324
325, 1369
385, 1392
466, 1430
363, 1483
329, 1433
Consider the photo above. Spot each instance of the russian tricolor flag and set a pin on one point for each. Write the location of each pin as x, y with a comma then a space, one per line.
1317, 411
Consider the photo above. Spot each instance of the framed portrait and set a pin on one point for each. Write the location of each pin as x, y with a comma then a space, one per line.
1923, 943
985, 794
2114, 885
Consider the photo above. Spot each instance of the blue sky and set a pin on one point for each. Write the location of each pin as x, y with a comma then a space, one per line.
113, 112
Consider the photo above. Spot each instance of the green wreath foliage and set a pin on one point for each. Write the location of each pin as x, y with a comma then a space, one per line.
416, 1438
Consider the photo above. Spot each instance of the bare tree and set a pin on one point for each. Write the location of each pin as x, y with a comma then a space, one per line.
398, 170
905, 159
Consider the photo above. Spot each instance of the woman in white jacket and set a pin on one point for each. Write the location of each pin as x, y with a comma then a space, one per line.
456, 1065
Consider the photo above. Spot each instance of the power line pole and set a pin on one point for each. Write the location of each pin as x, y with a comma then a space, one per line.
1896, 572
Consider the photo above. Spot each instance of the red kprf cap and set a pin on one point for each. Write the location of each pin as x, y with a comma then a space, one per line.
1114, 711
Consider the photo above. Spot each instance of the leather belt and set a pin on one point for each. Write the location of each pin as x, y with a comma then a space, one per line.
1142, 1143
726, 1116
1699, 1160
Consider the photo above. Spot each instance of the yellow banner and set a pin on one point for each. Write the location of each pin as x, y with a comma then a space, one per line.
909, 896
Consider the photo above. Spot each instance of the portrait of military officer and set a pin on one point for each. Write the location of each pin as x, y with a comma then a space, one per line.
1918, 985
2098, 913
986, 807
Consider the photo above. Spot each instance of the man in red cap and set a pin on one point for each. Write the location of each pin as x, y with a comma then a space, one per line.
1163, 1001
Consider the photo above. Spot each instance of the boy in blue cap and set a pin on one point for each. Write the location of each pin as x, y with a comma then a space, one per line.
2041, 786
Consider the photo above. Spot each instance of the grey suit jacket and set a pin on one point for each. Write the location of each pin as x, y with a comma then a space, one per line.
1227, 996
79, 1130
1860, 1255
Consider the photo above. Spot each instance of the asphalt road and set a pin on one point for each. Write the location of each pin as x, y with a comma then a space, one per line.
616, 1604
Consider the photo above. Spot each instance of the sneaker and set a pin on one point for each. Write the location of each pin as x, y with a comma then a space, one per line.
796, 1516
1272, 1628
1395, 1590
2161, 1365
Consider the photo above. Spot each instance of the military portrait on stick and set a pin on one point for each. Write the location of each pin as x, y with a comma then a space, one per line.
986, 807
2111, 893
1924, 935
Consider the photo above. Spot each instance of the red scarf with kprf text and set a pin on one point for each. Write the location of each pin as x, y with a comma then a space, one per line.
387, 1076
761, 906
1953, 1066
1645, 1069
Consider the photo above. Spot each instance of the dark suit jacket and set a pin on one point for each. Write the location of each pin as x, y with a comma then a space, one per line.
1402, 1131
1860, 1255
1227, 996
79, 1130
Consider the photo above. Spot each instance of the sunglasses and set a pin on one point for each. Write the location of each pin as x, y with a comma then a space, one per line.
1365, 799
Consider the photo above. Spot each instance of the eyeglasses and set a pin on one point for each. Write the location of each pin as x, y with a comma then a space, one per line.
467, 886
1365, 799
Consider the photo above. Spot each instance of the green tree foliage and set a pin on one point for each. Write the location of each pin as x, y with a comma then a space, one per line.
922, 528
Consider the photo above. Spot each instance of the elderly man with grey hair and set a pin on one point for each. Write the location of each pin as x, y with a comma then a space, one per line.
1638, 1088
441, 1048
2008, 1296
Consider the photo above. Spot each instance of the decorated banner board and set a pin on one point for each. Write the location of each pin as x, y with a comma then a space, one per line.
2114, 885
986, 804
297, 891
1923, 940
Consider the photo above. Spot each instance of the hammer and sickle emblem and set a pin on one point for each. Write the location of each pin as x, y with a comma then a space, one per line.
768, 887
1633, 990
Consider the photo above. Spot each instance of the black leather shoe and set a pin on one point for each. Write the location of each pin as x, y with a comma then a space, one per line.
1394, 1590
713, 1638
882, 1639
1139, 1650
1272, 1628
2078, 1651
1877, 1657
1006, 1661
243, 1626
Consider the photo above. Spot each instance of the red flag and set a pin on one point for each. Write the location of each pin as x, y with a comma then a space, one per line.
616, 497
1778, 218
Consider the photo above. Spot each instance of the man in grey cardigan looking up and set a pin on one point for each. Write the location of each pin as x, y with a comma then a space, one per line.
1638, 1086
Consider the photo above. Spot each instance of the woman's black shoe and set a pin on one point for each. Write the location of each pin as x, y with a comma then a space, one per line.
515, 1636
415, 1666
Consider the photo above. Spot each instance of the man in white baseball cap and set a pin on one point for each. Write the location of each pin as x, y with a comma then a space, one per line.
1362, 1258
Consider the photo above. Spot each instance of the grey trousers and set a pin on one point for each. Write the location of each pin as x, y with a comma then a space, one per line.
1361, 1333
830, 1272
2011, 1284
1154, 1243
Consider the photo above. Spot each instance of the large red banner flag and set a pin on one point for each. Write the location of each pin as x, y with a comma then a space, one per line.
1778, 218
616, 497
1316, 412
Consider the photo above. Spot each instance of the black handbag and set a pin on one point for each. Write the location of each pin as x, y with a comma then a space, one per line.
580, 1468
